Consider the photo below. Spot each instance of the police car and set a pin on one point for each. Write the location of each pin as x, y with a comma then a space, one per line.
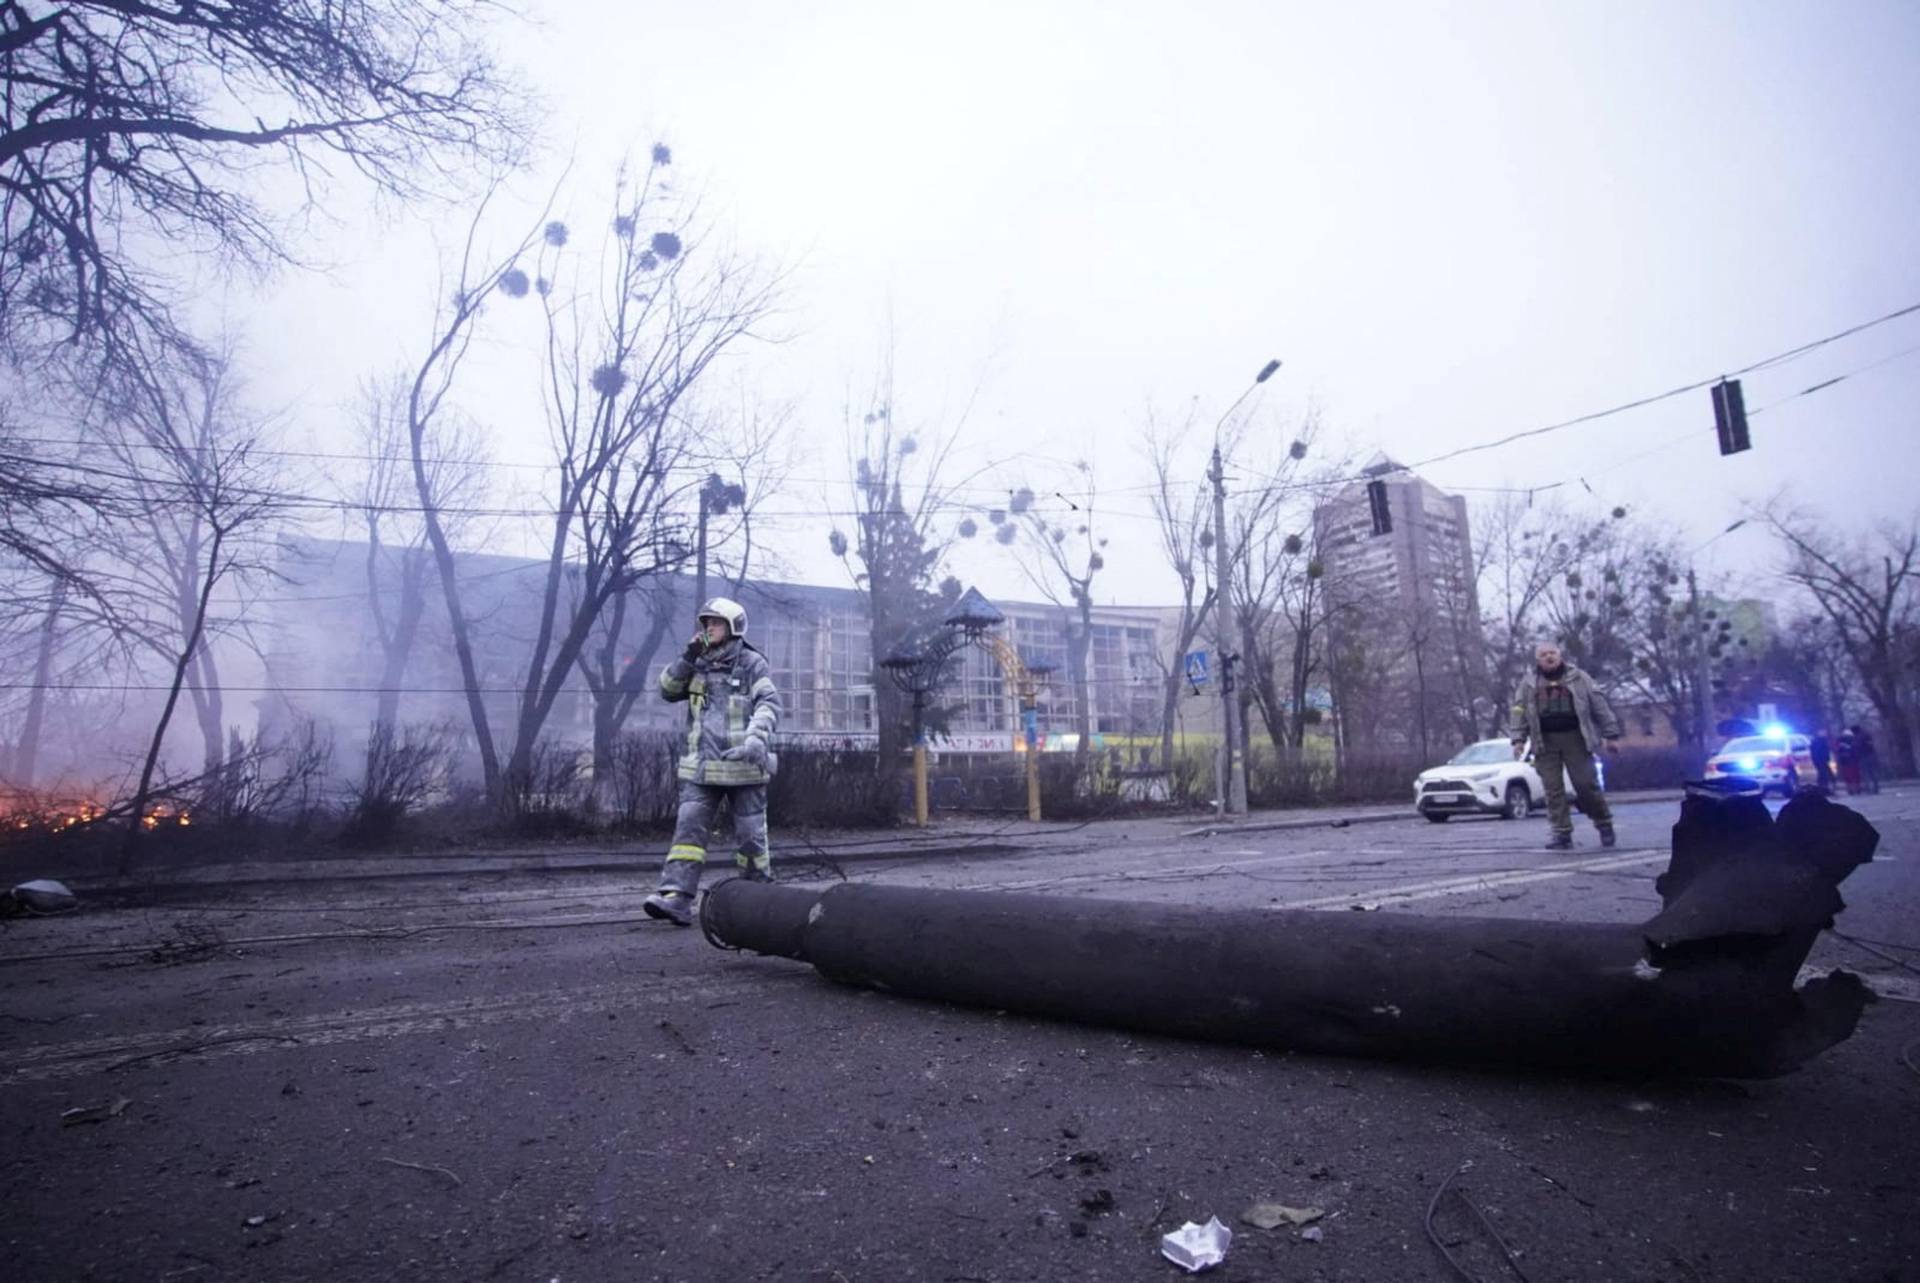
1775, 760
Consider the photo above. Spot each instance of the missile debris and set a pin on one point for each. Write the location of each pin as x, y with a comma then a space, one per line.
1704, 988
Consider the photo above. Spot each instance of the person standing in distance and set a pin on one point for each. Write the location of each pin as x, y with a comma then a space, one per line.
732, 710
1820, 749
1867, 753
1568, 719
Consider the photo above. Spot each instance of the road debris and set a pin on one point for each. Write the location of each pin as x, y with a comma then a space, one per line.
40, 897
94, 1113
1271, 1216
1447, 1187
1194, 1247
420, 1167
1706, 988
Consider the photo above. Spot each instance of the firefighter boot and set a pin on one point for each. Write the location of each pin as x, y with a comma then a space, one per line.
673, 902
1607, 837
1560, 842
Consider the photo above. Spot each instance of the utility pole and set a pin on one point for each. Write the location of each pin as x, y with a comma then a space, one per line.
1699, 682
1233, 790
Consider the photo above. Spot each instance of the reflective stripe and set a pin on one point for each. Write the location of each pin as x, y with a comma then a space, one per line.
684, 852
762, 688
696, 710
722, 772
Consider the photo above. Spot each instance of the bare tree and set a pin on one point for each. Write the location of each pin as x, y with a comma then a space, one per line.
1060, 557
1272, 555
1363, 673
193, 463
1523, 551
133, 130
625, 349
629, 333
899, 493
618, 665
1869, 590
55, 511
384, 497
477, 279
1184, 521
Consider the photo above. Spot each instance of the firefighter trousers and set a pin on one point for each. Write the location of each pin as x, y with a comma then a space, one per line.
699, 805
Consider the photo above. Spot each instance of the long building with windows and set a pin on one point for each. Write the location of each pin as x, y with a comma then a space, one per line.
324, 657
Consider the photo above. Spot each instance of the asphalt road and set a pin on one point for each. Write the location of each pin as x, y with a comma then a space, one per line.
477, 1071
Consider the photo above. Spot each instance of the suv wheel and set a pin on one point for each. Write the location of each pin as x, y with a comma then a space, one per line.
1519, 802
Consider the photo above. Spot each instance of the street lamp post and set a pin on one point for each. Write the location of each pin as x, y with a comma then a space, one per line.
918, 673
1233, 763
1031, 676
1700, 677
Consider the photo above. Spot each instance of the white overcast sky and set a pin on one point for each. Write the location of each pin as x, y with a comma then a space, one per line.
1452, 222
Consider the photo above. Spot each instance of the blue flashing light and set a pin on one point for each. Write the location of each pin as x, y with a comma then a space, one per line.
1749, 763
1775, 730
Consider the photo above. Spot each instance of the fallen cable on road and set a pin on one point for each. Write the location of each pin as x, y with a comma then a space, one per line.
419, 1167
1705, 988
1446, 1185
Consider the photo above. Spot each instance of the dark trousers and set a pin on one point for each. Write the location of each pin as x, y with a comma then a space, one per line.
1561, 755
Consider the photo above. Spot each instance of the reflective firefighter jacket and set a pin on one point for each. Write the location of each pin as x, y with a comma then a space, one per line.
730, 698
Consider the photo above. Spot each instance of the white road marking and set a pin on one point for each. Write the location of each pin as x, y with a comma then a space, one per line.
1407, 893
1897, 988
72, 1059
1111, 873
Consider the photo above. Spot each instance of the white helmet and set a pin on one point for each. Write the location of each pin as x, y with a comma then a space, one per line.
725, 608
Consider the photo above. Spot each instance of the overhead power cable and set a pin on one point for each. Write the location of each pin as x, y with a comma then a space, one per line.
1778, 358
1691, 433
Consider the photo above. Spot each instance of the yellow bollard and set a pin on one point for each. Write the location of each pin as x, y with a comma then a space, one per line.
920, 783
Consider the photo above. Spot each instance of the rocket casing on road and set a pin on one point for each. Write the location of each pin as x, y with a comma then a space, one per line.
1706, 987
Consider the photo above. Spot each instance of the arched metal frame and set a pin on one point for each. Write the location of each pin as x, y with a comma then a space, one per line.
918, 673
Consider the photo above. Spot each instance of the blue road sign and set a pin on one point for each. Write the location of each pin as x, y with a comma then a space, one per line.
1197, 668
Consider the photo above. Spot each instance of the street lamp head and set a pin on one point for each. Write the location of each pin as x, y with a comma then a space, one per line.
1267, 371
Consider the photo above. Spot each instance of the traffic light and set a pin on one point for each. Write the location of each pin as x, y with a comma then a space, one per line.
1730, 416
1378, 507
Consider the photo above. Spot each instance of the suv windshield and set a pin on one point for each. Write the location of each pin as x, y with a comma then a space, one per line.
1482, 754
1755, 744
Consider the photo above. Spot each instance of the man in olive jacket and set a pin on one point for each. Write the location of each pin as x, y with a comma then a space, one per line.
732, 710
1568, 719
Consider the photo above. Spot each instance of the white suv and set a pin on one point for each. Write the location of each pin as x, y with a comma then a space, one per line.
1481, 779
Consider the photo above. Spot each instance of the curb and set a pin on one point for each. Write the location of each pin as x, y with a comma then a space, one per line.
1274, 826
1382, 817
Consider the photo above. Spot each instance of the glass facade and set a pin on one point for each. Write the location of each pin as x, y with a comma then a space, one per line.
848, 673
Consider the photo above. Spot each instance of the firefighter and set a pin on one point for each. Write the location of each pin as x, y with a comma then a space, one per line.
732, 709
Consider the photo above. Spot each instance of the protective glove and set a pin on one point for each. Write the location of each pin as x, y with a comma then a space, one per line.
752, 749
695, 648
